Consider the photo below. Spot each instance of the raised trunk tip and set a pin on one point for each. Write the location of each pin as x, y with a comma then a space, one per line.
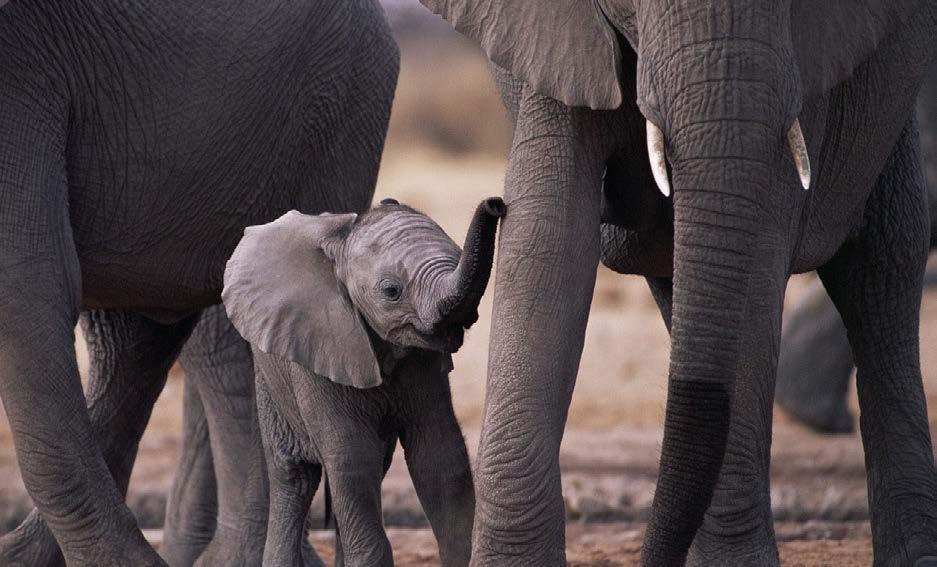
465, 286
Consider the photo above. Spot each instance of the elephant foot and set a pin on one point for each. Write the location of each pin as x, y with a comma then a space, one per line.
709, 550
233, 549
182, 550
31, 544
764, 558
515, 556
822, 416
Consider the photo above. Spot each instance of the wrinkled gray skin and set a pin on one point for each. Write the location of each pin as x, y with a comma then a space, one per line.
815, 364
395, 279
724, 81
137, 144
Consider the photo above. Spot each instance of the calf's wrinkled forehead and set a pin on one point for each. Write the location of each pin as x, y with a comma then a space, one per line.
391, 226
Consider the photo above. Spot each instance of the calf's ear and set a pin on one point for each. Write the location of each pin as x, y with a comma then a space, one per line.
282, 294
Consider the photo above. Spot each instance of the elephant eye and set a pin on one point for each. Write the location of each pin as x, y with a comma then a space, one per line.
391, 290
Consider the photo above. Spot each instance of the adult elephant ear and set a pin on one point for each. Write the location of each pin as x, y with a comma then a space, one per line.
564, 49
833, 37
282, 294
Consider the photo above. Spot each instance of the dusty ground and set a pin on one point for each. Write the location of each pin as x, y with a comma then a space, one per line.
616, 544
619, 544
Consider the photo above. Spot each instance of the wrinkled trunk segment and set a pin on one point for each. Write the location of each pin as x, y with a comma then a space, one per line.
733, 192
465, 286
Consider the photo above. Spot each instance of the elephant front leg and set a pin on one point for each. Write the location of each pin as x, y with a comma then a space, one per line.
875, 282
219, 362
40, 296
130, 359
549, 251
293, 484
355, 467
439, 466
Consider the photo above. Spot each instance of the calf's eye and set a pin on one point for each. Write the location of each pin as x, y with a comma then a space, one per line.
391, 292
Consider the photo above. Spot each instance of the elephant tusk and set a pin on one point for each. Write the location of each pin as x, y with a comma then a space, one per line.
795, 137
658, 157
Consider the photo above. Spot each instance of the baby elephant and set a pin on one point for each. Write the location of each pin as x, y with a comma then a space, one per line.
352, 320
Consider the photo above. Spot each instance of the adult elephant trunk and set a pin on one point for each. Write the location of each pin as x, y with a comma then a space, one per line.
727, 300
734, 180
463, 288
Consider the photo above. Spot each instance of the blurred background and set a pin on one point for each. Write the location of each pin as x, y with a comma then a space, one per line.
446, 149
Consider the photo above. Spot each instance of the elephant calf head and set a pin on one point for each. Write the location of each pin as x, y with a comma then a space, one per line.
319, 289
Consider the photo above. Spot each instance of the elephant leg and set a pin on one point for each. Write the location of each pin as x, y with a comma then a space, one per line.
439, 465
31, 543
219, 362
192, 506
549, 251
292, 487
131, 356
875, 282
293, 484
815, 365
355, 483
130, 360
62, 465
662, 292
390, 446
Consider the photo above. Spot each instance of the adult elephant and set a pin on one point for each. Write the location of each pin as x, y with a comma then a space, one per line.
138, 142
816, 363
724, 93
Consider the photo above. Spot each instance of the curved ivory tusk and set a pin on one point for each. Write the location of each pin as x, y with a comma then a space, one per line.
658, 157
795, 137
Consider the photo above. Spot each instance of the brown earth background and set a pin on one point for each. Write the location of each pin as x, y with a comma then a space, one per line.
445, 151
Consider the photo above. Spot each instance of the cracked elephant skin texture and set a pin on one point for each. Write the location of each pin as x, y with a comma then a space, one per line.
723, 82
137, 143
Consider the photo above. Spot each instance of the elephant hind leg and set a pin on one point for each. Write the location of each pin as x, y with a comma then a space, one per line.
219, 363
815, 366
130, 359
192, 506
875, 282
131, 356
31, 543
662, 292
